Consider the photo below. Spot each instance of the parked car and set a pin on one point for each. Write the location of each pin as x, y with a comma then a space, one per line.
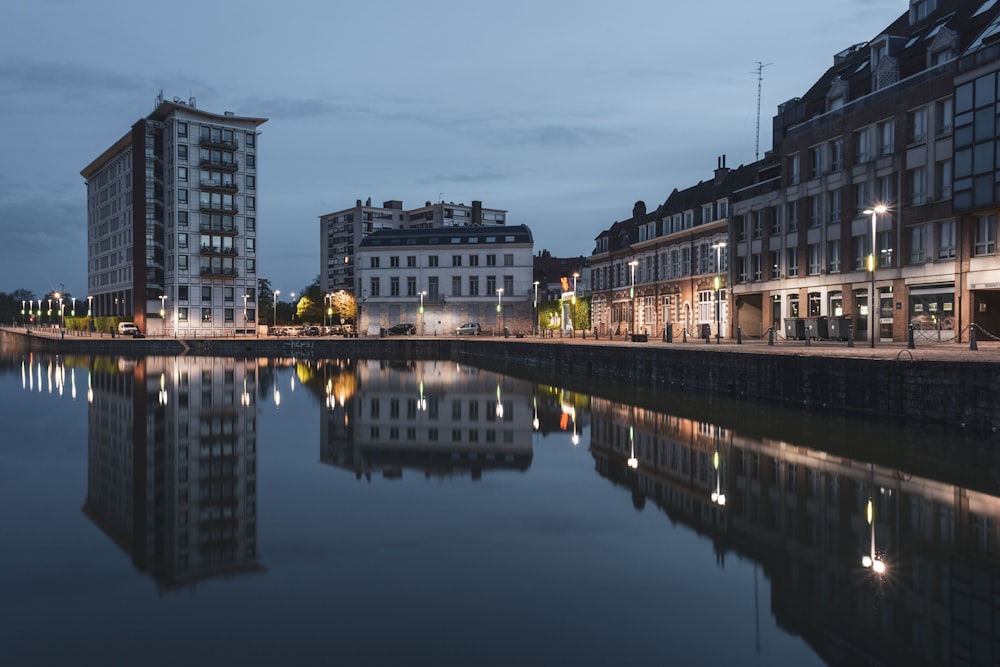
310, 330
469, 329
129, 329
402, 329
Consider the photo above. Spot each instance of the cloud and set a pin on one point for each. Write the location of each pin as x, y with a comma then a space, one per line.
480, 176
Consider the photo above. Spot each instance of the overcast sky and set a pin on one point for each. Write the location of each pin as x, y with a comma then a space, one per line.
562, 113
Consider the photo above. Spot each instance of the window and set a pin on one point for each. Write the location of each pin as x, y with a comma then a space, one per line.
917, 252
473, 285
182, 292
986, 235
758, 224
836, 155
942, 180
918, 186
250, 139
833, 205
432, 261
793, 262
206, 314
456, 260
815, 161
182, 174
755, 263
946, 240
945, 116
227, 314
411, 286
815, 259
394, 286
182, 129
863, 145
741, 228
884, 254
251, 265
815, 211
182, 314
374, 287
182, 196
227, 294
182, 218
433, 291
917, 126
776, 220
860, 252
373, 262
491, 285
793, 169
206, 294
887, 137
182, 263
251, 162
251, 244
508, 285
456, 286
793, 216
251, 203
775, 265
411, 261
182, 240
833, 256
886, 188
508, 260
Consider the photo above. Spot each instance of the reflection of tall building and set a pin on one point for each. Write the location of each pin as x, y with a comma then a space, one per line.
441, 418
802, 514
172, 465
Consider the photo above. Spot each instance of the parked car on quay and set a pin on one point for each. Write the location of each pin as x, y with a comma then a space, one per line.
402, 329
469, 329
129, 329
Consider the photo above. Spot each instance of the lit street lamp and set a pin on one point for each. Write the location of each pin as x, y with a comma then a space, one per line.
631, 294
23, 303
873, 306
422, 295
163, 312
245, 297
275, 309
536, 308
718, 289
500, 306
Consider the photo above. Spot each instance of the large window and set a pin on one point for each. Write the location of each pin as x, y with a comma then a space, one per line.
946, 240
833, 256
917, 251
986, 235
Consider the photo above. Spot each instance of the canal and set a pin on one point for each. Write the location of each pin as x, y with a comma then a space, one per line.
218, 510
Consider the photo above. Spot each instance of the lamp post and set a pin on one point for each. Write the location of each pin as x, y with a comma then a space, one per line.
292, 302
536, 309
500, 307
72, 313
275, 308
245, 297
718, 289
631, 294
875, 211
163, 312
422, 328
90, 303
23, 320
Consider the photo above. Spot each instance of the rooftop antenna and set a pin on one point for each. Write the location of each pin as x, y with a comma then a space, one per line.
760, 77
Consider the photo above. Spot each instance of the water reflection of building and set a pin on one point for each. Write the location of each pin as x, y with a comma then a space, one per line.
441, 418
172, 465
801, 514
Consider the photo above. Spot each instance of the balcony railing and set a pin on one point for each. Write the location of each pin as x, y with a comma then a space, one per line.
214, 164
216, 250
219, 208
219, 273
208, 142
224, 187
217, 229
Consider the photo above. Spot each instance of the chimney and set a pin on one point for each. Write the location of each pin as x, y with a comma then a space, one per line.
477, 212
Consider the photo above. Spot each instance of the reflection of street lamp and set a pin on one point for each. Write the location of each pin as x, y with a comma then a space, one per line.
718, 496
870, 560
631, 294
534, 409
535, 328
633, 462
499, 408
576, 438
718, 289
877, 210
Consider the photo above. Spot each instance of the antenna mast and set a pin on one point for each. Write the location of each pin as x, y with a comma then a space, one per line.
760, 77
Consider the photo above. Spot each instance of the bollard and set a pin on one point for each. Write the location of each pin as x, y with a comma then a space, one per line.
909, 338
739, 335
850, 335
670, 333
585, 334
708, 336
684, 332
770, 336
972, 338
808, 336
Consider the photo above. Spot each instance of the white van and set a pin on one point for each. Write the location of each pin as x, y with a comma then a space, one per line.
128, 329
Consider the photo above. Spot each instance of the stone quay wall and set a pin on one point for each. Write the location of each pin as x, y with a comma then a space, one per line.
952, 393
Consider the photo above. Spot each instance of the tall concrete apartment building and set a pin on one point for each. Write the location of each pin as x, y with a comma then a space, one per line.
341, 232
172, 222
906, 121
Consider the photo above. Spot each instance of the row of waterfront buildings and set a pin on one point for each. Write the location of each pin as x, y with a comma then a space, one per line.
908, 121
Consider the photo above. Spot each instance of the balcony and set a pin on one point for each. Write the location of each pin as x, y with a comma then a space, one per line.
216, 164
208, 142
210, 272
216, 250
218, 229
220, 187
219, 208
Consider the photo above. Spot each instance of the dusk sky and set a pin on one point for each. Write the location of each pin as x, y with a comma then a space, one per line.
562, 113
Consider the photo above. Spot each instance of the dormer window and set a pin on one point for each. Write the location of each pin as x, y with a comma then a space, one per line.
836, 97
921, 9
879, 50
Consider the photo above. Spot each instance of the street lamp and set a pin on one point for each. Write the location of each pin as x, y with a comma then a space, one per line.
500, 306
633, 462
275, 308
422, 295
718, 289
72, 313
631, 294
292, 302
536, 309
163, 312
245, 297
875, 211
23, 303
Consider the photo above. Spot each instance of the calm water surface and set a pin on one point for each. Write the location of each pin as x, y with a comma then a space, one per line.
207, 511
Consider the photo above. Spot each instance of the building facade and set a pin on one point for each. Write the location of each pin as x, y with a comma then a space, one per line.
438, 278
341, 232
172, 223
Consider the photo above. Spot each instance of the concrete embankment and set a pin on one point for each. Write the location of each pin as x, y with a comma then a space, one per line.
946, 386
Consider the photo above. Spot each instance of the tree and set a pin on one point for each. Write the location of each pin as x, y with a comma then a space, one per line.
309, 310
265, 300
343, 307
